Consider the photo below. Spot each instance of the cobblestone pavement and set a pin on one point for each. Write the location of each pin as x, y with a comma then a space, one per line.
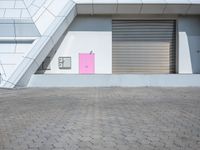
100, 119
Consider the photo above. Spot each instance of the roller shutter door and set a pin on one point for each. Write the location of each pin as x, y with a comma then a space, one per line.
144, 46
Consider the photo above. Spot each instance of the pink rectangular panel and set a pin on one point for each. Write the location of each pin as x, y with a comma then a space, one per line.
86, 63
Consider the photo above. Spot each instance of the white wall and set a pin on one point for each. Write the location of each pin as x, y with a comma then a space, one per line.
95, 33
86, 34
189, 44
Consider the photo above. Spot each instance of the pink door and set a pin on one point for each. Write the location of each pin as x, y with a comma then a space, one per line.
86, 63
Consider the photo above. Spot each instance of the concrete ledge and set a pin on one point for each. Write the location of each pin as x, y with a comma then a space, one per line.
61, 80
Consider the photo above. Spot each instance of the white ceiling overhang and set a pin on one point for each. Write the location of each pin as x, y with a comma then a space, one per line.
184, 7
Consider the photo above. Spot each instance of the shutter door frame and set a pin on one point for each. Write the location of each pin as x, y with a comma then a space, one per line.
130, 55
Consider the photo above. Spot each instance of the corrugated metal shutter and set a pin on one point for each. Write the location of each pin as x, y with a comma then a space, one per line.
144, 46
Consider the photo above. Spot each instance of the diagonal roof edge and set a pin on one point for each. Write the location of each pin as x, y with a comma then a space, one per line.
38, 53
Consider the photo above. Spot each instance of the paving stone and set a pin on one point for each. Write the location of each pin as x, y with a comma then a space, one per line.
100, 118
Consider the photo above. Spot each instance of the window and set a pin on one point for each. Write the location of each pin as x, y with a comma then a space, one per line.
46, 64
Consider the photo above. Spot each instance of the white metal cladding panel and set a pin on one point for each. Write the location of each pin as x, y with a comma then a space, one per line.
144, 46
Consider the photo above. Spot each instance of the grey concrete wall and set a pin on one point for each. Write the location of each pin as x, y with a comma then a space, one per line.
189, 44
114, 80
94, 33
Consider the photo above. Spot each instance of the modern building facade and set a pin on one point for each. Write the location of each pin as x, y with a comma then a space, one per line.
99, 43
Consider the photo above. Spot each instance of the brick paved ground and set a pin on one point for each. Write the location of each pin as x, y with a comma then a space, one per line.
100, 119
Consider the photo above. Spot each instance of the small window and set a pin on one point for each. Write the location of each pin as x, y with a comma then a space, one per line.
0, 77
64, 62
46, 64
